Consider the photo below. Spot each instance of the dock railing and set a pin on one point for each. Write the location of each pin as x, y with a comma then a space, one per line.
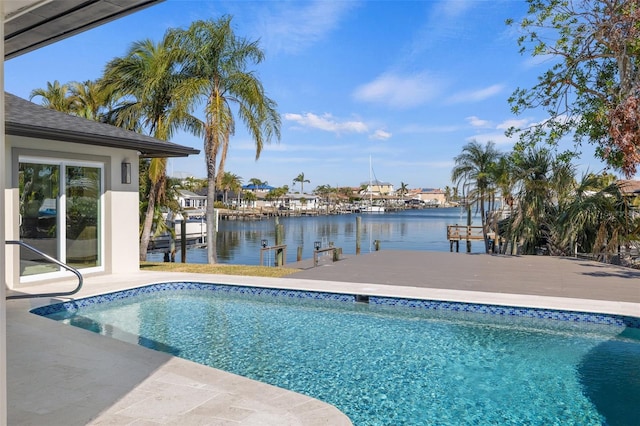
457, 233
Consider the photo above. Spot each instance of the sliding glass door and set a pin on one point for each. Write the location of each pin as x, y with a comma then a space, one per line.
60, 212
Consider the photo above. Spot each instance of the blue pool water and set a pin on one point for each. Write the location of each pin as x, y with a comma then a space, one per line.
390, 365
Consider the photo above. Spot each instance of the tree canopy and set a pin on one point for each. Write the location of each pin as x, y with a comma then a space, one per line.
592, 88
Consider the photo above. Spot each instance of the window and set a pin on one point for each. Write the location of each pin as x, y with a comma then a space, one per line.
60, 214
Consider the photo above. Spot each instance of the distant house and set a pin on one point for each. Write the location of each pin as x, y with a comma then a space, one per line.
377, 187
72, 192
301, 201
191, 200
629, 187
431, 196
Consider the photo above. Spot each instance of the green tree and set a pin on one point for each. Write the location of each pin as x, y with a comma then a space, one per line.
598, 218
230, 182
257, 182
505, 181
447, 193
473, 168
300, 178
146, 79
592, 88
546, 184
89, 99
324, 192
249, 196
404, 188
193, 184
56, 96
216, 63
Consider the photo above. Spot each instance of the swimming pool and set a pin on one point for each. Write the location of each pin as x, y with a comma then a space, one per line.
389, 361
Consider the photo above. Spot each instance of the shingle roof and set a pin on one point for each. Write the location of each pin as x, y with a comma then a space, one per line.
24, 118
630, 187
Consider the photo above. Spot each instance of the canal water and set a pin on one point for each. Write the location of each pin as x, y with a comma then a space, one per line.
239, 242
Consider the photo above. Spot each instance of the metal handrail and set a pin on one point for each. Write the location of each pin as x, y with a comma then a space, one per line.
51, 259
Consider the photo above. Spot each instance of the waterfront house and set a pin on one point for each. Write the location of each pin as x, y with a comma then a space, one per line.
189, 200
377, 188
433, 197
301, 202
72, 188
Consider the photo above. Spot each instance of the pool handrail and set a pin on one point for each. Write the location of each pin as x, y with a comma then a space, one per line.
53, 260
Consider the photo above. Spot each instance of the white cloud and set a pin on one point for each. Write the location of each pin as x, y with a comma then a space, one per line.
380, 135
294, 26
497, 138
400, 91
477, 122
507, 124
476, 95
327, 123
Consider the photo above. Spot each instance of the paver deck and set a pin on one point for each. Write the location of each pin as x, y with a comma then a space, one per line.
526, 275
61, 375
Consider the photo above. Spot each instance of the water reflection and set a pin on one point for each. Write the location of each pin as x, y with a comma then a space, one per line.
239, 241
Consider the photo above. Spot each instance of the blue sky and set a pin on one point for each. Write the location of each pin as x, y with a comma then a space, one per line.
405, 83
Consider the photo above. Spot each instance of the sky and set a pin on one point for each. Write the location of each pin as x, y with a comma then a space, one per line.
389, 90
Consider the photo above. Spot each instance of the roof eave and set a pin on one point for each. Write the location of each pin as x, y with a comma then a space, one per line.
50, 22
146, 149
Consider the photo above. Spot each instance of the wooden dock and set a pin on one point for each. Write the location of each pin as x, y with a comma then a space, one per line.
457, 233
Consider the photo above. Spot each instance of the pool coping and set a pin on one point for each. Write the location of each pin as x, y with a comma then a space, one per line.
170, 376
415, 303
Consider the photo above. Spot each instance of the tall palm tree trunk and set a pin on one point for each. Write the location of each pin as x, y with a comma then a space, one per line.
148, 219
485, 225
210, 212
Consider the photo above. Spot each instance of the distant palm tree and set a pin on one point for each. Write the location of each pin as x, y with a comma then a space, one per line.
404, 188
56, 96
473, 166
230, 182
300, 178
249, 196
215, 62
146, 79
257, 182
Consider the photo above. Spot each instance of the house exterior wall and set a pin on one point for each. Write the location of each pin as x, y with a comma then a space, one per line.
433, 197
119, 219
3, 303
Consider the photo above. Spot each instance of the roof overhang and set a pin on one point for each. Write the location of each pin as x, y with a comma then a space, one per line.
31, 24
146, 149
24, 118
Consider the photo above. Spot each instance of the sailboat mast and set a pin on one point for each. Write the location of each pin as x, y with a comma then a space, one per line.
370, 187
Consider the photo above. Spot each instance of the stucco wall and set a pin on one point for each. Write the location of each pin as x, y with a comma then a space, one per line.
120, 201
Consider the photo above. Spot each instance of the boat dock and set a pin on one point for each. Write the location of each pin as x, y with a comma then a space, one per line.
457, 233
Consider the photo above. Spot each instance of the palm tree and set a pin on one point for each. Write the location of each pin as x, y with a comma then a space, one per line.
546, 185
146, 79
300, 178
598, 218
404, 188
216, 62
473, 166
89, 99
505, 181
230, 182
249, 196
257, 182
56, 96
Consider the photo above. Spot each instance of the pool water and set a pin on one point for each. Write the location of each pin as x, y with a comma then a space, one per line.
392, 365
